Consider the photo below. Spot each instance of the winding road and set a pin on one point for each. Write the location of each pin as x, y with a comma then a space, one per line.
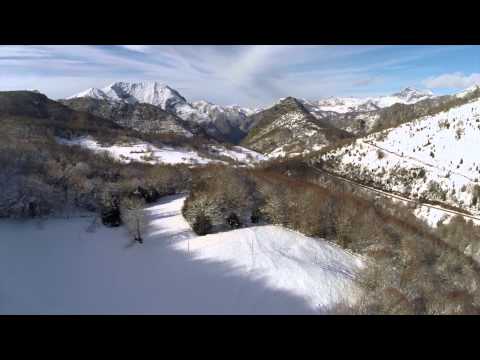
390, 195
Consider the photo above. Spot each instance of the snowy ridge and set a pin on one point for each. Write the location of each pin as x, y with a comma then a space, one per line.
173, 272
150, 92
91, 93
352, 104
206, 108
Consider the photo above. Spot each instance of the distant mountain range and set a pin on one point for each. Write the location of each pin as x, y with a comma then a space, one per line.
230, 123
290, 126
351, 104
226, 123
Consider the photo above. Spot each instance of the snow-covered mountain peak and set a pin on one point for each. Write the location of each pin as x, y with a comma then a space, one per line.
150, 92
91, 93
343, 105
219, 121
409, 94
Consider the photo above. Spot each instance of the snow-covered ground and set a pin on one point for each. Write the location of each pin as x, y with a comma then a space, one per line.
145, 152
433, 216
68, 266
142, 152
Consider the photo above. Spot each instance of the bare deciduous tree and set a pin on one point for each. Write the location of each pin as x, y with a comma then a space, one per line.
133, 217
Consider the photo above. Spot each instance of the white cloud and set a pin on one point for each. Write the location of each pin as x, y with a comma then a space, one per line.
453, 80
138, 48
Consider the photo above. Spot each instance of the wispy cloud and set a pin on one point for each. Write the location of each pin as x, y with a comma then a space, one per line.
247, 74
455, 80
137, 48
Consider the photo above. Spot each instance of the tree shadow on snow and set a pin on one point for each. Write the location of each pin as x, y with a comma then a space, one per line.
99, 276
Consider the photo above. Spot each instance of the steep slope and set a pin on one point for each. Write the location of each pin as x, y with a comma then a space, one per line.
431, 159
142, 117
102, 272
288, 129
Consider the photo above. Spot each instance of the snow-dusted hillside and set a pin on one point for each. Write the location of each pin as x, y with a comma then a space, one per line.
351, 104
145, 152
432, 158
73, 266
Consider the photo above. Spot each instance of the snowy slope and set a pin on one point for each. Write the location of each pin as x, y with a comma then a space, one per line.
350, 104
433, 157
69, 266
315, 270
145, 152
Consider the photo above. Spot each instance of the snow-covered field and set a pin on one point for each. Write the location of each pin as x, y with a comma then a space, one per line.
141, 151
64, 266
145, 152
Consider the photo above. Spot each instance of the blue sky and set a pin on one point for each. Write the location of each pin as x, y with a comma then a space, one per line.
247, 75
